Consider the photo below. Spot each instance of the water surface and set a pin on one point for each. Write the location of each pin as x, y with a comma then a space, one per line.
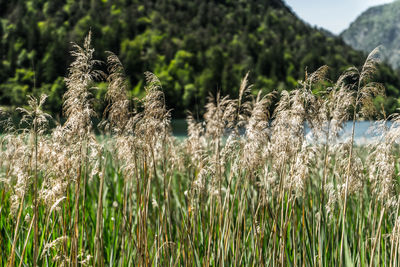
363, 131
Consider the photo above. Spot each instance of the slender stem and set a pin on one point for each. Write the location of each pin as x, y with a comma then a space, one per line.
76, 213
377, 237
12, 254
99, 221
321, 210
35, 197
348, 176
26, 242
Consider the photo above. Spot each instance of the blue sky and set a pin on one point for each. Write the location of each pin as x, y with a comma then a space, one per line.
333, 15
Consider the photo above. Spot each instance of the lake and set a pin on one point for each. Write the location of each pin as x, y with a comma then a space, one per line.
363, 134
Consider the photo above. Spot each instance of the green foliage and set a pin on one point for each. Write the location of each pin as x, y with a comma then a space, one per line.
15, 89
195, 47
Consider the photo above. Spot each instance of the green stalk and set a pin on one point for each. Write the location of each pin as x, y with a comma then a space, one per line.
377, 237
75, 236
321, 210
348, 173
12, 254
85, 170
25, 243
99, 221
35, 197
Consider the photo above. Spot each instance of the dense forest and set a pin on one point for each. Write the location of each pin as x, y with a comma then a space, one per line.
195, 48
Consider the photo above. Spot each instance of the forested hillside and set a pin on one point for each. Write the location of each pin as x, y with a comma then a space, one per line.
194, 47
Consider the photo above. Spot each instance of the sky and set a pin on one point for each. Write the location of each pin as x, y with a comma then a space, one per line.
333, 15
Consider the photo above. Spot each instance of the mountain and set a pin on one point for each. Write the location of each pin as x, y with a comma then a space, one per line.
379, 25
195, 47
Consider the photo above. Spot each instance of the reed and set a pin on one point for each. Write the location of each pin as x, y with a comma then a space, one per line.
245, 188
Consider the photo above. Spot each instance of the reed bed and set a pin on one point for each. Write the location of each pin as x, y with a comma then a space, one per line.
140, 197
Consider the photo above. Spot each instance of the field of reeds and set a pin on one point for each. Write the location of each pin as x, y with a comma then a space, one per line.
137, 196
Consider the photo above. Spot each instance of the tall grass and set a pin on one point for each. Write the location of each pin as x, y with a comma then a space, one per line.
139, 196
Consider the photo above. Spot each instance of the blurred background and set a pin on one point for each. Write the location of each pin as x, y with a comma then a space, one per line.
195, 47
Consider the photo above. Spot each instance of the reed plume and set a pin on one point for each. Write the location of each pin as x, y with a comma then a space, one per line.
246, 187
